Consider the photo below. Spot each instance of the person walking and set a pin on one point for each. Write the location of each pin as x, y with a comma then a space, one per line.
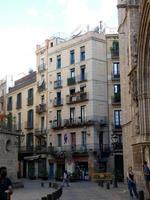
131, 183
5, 185
146, 172
65, 179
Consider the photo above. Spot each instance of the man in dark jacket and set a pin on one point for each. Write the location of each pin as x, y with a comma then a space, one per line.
5, 185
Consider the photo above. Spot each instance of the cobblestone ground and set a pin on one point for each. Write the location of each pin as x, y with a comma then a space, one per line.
77, 191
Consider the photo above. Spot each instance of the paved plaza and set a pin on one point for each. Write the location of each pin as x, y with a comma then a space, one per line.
77, 191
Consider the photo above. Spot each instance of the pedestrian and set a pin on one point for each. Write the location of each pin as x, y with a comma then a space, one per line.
131, 183
146, 172
5, 185
65, 179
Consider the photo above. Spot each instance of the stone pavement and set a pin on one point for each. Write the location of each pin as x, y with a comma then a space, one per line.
77, 191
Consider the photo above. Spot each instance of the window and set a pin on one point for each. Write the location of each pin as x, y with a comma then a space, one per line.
83, 138
42, 61
19, 101
30, 119
30, 96
59, 140
29, 139
116, 68
72, 57
9, 104
51, 44
117, 118
58, 76
116, 88
42, 123
82, 88
82, 53
72, 114
58, 61
58, 98
82, 73
72, 91
19, 121
50, 60
42, 99
72, 73
58, 117
83, 113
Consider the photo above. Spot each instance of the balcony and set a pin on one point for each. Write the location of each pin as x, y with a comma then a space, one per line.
57, 124
28, 125
18, 127
77, 97
26, 149
9, 106
57, 84
80, 148
41, 108
116, 127
71, 81
42, 67
29, 101
115, 77
57, 102
105, 150
84, 121
7, 126
41, 86
116, 99
18, 105
82, 78
38, 149
40, 132
2, 99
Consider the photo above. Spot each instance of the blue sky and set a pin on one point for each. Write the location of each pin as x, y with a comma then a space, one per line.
25, 23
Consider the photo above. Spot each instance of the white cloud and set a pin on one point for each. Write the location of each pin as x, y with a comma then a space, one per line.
32, 12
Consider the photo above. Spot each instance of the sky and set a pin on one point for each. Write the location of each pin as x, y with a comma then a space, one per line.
26, 23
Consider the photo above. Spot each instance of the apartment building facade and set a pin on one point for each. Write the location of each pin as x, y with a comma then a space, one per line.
21, 101
77, 99
114, 104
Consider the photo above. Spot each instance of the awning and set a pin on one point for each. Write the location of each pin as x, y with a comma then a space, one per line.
32, 157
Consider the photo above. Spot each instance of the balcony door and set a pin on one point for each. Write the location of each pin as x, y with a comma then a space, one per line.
73, 140
116, 70
59, 117
72, 114
117, 118
83, 113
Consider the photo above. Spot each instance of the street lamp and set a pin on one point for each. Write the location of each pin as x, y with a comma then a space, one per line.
114, 140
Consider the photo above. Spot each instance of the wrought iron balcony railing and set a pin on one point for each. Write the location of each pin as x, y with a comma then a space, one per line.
77, 97
57, 102
71, 81
41, 108
42, 67
57, 84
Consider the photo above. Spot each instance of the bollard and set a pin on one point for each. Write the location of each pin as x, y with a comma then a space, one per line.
107, 186
141, 195
50, 184
44, 198
115, 184
42, 184
49, 197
